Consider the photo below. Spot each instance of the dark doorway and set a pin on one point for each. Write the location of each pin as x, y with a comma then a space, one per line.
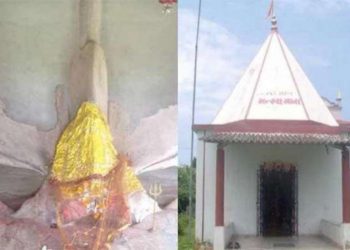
277, 199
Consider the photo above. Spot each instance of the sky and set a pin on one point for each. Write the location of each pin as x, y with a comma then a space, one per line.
231, 33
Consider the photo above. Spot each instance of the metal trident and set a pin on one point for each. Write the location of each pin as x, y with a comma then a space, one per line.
155, 190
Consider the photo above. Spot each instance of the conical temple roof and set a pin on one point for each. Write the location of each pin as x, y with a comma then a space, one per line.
274, 87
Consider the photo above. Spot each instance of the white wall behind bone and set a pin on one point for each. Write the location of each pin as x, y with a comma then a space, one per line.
141, 52
38, 39
36, 43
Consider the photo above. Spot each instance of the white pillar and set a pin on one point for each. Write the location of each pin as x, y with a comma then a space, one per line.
219, 233
200, 187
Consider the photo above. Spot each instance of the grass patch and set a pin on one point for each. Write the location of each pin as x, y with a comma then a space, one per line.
186, 242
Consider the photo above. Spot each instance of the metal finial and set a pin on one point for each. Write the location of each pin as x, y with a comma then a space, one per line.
274, 23
339, 96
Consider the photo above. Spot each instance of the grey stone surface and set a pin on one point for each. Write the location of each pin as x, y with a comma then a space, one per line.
167, 178
25, 154
19, 234
5, 211
152, 144
173, 205
30, 226
139, 236
40, 208
151, 148
18, 184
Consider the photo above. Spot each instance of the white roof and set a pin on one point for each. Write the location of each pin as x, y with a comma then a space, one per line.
274, 87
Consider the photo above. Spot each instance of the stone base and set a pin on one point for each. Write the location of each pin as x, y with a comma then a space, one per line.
141, 236
219, 238
338, 233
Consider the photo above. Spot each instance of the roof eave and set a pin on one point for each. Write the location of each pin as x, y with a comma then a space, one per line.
277, 138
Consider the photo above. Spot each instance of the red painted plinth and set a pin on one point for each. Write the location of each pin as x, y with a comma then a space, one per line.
220, 174
346, 185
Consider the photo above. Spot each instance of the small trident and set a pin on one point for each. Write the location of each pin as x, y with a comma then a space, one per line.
154, 190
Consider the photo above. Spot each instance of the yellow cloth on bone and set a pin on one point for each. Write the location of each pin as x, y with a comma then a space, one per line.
85, 147
85, 151
91, 179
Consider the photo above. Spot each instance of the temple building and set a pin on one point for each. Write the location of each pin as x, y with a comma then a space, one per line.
275, 160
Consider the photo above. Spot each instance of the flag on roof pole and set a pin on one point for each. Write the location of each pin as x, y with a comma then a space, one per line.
270, 13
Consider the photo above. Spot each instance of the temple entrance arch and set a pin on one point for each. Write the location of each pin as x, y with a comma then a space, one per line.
277, 199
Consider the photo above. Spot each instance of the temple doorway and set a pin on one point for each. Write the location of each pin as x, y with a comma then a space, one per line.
277, 200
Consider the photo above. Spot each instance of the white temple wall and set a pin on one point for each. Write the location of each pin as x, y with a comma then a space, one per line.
206, 152
319, 184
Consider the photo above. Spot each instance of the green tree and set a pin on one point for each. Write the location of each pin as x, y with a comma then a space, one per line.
184, 190
186, 237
